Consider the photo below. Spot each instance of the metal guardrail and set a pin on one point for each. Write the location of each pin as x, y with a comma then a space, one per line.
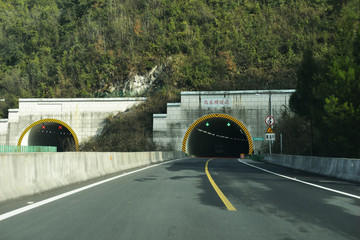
9, 149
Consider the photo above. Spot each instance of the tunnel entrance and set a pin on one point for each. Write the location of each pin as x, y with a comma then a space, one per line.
51, 132
217, 135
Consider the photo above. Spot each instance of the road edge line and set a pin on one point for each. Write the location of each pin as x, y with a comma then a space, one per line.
300, 181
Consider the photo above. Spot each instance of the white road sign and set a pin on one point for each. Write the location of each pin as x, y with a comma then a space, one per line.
270, 136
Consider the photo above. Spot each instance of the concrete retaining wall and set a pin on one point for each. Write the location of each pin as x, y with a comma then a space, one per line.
24, 174
342, 168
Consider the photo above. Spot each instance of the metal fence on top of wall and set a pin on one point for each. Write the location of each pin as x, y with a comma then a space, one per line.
7, 149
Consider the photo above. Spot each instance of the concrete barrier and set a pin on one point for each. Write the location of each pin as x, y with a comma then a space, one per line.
24, 174
342, 168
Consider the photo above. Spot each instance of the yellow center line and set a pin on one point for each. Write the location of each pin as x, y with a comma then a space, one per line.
227, 203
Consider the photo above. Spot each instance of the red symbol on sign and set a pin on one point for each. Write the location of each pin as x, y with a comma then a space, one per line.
43, 127
60, 127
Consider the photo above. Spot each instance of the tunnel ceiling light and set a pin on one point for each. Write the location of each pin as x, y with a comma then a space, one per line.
212, 134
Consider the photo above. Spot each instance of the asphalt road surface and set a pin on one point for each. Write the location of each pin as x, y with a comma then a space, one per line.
177, 200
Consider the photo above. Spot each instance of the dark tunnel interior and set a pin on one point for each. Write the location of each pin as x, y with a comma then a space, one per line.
52, 134
217, 137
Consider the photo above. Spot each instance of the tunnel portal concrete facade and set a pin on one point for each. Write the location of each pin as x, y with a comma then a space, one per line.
85, 116
249, 107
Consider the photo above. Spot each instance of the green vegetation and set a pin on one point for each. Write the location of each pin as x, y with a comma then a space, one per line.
328, 93
130, 131
72, 48
327, 100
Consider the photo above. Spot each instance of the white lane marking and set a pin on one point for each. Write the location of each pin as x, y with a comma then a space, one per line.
297, 180
52, 199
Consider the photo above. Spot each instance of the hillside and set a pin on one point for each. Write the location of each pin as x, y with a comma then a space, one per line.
82, 48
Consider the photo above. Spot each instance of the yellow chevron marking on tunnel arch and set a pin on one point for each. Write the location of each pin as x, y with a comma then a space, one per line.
50, 120
218, 115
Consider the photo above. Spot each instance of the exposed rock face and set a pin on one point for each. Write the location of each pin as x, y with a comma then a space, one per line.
139, 84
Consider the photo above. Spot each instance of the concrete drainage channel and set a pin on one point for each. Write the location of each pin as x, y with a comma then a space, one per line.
23, 174
341, 168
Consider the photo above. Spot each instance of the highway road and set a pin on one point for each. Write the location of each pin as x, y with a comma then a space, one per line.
178, 200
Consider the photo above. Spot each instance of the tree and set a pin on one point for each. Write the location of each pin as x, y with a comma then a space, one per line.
342, 105
306, 100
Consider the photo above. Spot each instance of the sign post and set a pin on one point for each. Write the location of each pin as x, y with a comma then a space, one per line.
270, 135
